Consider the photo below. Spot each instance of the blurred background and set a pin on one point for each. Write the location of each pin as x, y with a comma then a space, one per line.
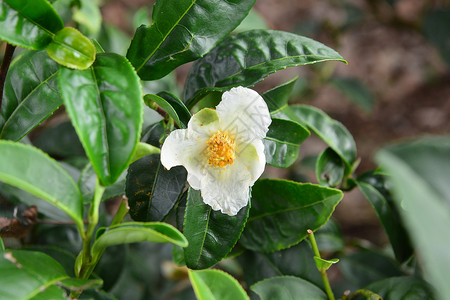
396, 86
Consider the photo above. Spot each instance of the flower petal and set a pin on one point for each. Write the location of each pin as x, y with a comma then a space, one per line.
204, 123
227, 189
244, 114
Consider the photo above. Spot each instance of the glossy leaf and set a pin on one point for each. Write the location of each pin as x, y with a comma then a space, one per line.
246, 58
216, 285
364, 267
182, 31
211, 234
287, 288
330, 168
278, 97
28, 273
52, 292
144, 149
404, 287
134, 232
356, 91
150, 100
19, 165
178, 105
30, 94
295, 261
282, 212
28, 24
104, 103
282, 143
152, 190
72, 49
377, 192
332, 132
420, 175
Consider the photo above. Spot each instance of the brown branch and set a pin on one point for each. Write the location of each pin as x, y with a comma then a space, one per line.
9, 51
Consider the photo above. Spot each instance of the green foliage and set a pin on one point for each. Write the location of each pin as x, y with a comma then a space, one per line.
282, 212
356, 91
211, 234
287, 287
330, 168
182, 32
216, 285
246, 58
107, 121
30, 94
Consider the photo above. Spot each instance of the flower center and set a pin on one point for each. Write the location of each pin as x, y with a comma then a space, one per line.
220, 150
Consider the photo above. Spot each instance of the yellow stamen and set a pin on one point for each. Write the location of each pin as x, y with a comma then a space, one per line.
220, 150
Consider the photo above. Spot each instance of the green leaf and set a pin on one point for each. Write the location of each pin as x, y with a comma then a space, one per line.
329, 237
72, 49
2, 246
28, 273
364, 267
144, 149
216, 285
152, 190
332, 132
420, 175
356, 91
77, 284
404, 287
330, 168
323, 264
287, 288
52, 292
104, 103
278, 97
135, 232
161, 102
28, 24
20, 166
113, 39
183, 31
178, 105
295, 261
211, 234
282, 212
89, 17
377, 192
30, 94
246, 58
254, 20
282, 142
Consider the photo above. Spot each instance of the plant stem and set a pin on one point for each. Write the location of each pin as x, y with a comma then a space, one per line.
323, 273
9, 51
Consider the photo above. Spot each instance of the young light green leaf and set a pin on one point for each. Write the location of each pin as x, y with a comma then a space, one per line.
323, 264
89, 17
211, 234
375, 189
31, 271
420, 170
30, 94
278, 97
28, 24
104, 103
287, 288
152, 190
282, 212
72, 49
330, 131
134, 232
183, 31
144, 149
19, 165
282, 142
330, 168
216, 285
403, 287
246, 58
2, 246
356, 91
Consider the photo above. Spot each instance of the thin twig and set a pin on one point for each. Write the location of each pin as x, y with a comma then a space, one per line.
9, 51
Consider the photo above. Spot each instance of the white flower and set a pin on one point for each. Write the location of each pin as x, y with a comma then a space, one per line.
222, 149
